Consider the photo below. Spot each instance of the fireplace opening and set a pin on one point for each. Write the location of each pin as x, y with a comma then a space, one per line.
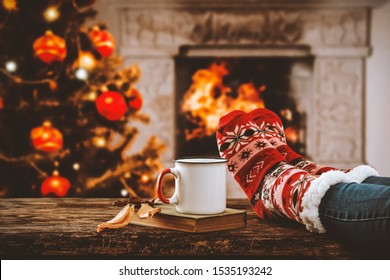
209, 87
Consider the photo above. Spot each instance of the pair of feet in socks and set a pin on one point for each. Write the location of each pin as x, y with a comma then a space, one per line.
277, 181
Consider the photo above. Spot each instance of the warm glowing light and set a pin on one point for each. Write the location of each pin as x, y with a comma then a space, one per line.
10, 5
108, 100
124, 192
262, 88
55, 183
292, 134
53, 85
145, 178
11, 66
45, 135
127, 175
208, 99
92, 96
76, 166
81, 74
99, 141
86, 60
47, 123
248, 93
51, 14
287, 114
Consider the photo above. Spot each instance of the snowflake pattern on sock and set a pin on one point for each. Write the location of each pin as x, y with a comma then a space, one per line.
272, 186
232, 141
245, 154
272, 128
261, 144
249, 145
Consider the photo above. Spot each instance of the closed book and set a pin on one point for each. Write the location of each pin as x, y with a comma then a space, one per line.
169, 218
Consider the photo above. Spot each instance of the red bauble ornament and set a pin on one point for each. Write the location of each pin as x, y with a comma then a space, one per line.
135, 99
55, 184
49, 48
46, 138
103, 41
111, 105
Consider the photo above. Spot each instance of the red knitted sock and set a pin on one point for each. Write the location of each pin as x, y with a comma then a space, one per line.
272, 127
273, 187
249, 155
283, 189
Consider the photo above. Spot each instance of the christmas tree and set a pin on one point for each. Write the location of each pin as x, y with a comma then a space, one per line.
67, 107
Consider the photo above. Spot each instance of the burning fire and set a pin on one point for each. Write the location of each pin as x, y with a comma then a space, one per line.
208, 99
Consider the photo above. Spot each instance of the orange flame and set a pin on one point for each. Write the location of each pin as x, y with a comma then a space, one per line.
292, 134
208, 99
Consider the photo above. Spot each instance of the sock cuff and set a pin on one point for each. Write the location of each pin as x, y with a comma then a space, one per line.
361, 172
312, 198
318, 187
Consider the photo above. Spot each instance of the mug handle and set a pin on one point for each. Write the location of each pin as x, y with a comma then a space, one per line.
173, 199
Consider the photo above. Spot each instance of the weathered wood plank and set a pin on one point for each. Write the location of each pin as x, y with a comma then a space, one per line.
66, 228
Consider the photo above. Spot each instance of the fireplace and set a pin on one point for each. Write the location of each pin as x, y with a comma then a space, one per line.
323, 45
209, 87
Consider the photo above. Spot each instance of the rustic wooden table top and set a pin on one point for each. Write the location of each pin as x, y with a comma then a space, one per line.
43, 228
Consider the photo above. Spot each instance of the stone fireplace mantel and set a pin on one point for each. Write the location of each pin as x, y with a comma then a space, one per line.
335, 33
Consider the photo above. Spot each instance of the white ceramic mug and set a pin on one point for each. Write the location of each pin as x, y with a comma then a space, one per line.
200, 185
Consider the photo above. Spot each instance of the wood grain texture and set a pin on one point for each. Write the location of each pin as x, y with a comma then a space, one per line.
66, 229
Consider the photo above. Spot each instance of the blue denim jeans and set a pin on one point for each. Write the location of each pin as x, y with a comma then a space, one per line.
359, 213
